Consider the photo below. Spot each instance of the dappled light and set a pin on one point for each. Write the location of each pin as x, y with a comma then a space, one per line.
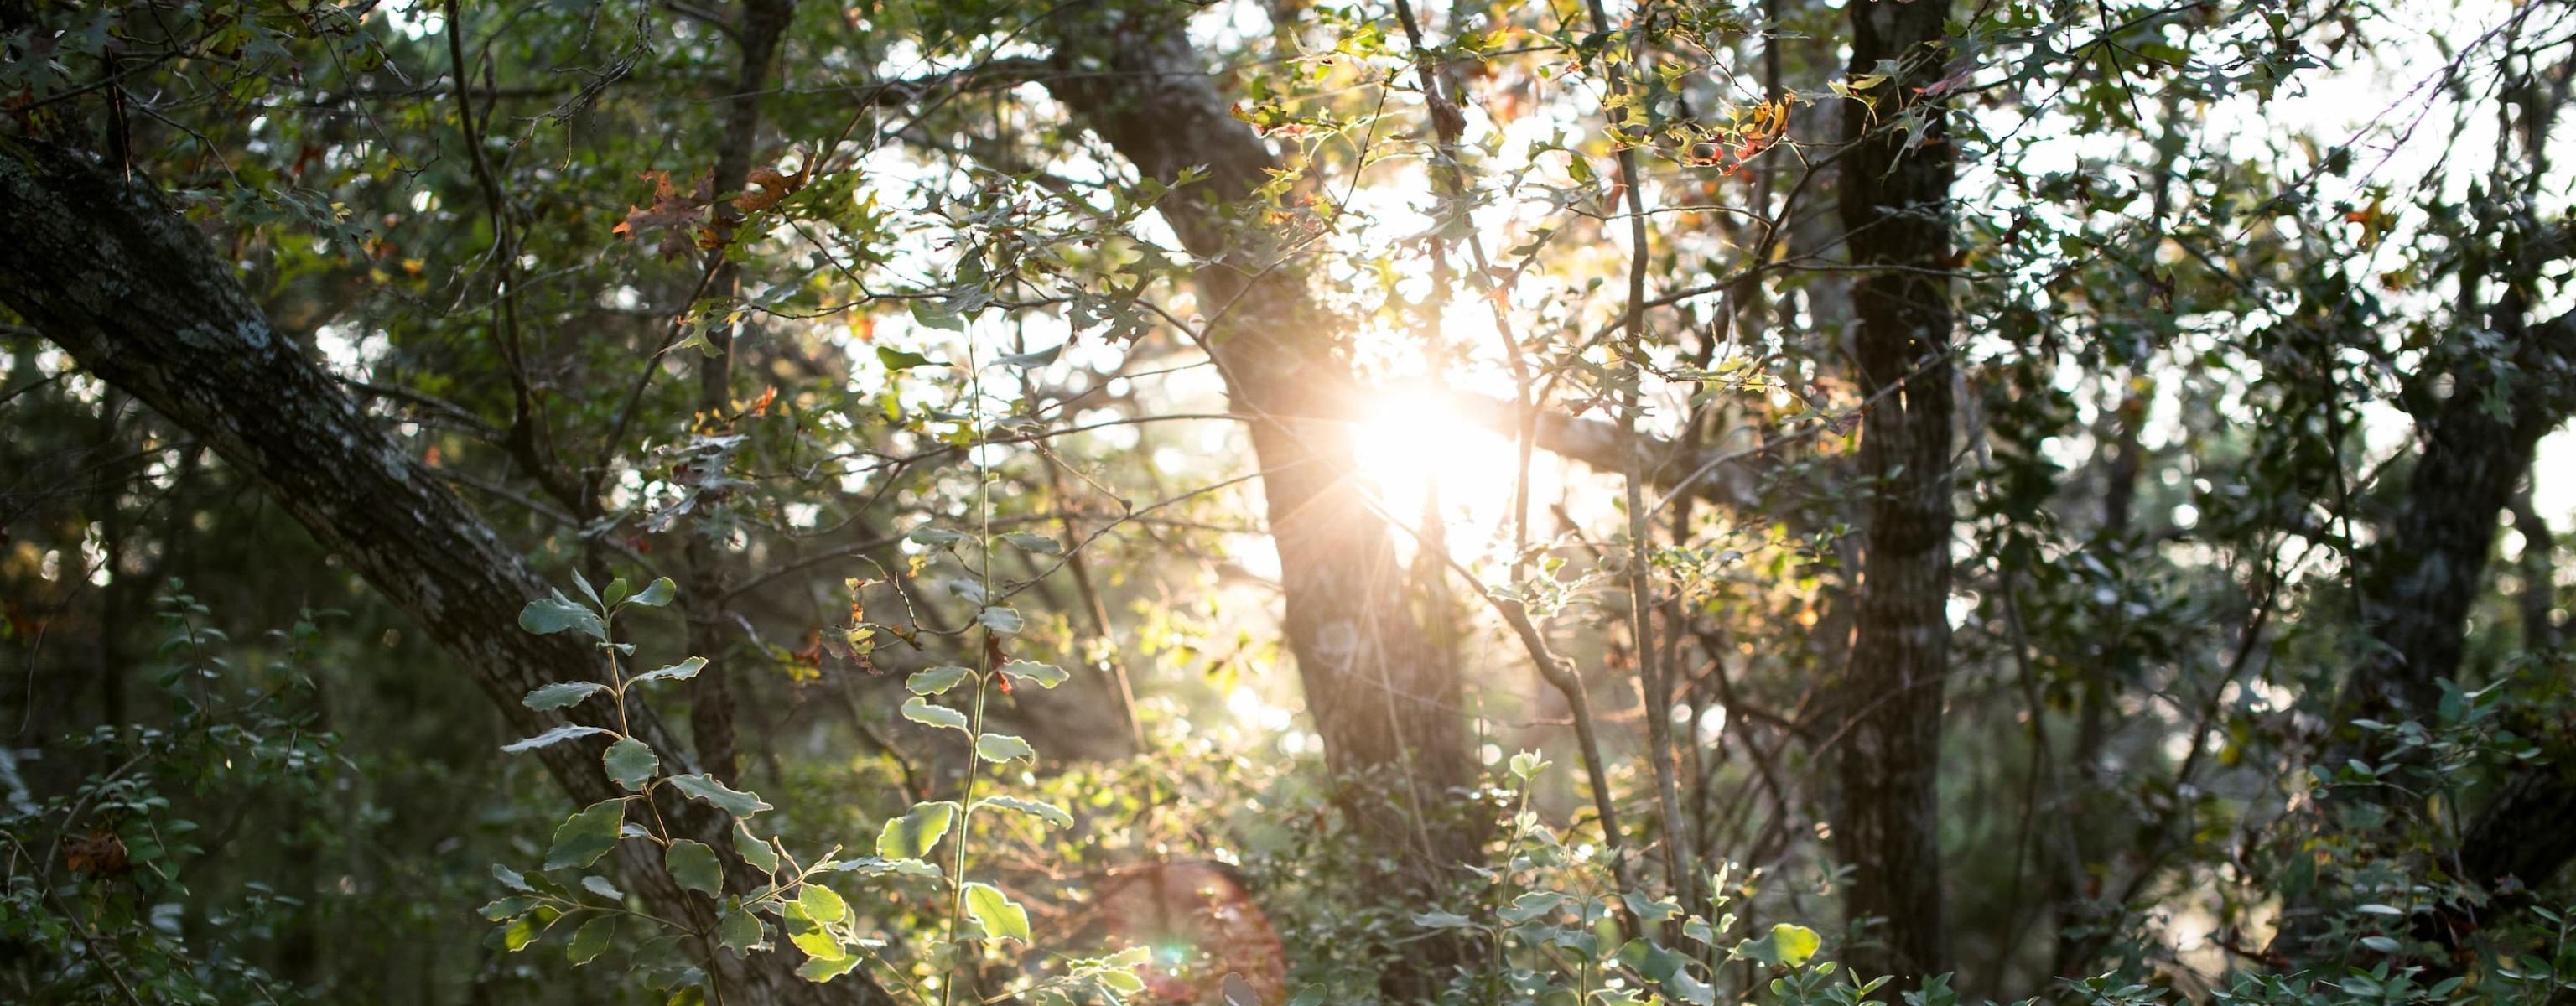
1287, 503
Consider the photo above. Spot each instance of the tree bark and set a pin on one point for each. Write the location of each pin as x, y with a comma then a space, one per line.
1895, 211
2418, 588
132, 291
2538, 569
1386, 702
2418, 583
711, 694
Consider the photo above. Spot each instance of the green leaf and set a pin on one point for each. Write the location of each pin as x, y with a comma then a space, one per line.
1118, 971
1003, 747
561, 695
821, 903
1124, 981
555, 736
914, 834
1651, 909
682, 671
898, 360
507, 908
1531, 905
1785, 944
1030, 672
694, 867
938, 313
587, 835
600, 886
1527, 764
1038, 543
630, 762
928, 535
1795, 943
936, 680
996, 914
741, 930
921, 711
510, 878
824, 969
753, 849
999, 618
582, 584
879, 866
546, 616
1050, 813
1442, 920
1669, 970
522, 931
1033, 358
807, 932
720, 796
656, 594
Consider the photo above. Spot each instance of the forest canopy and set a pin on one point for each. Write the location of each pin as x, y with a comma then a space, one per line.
1264, 502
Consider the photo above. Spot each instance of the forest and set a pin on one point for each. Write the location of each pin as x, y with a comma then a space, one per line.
1288, 502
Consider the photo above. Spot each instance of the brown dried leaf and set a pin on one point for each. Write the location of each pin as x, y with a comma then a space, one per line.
676, 219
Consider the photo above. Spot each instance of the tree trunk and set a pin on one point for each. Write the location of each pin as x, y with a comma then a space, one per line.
2537, 567
1895, 211
104, 270
2418, 583
711, 693
1386, 702
2417, 590
2417, 587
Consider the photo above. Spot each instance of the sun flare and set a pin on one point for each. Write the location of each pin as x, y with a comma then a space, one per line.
1412, 442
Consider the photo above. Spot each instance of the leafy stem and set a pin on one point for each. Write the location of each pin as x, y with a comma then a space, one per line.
982, 678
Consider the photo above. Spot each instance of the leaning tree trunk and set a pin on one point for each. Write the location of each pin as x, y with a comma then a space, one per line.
1385, 700
2511, 380
2417, 587
104, 270
1895, 190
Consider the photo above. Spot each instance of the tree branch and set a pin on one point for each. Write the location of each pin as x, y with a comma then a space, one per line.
100, 266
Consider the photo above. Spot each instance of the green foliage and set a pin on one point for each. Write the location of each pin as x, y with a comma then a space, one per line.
816, 919
996, 914
587, 835
630, 763
115, 889
943, 420
694, 867
912, 835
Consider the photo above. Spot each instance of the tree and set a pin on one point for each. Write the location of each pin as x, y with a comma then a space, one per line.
1895, 192
106, 272
1385, 696
2020, 484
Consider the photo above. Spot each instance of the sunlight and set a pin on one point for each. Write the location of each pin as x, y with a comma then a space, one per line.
1410, 441
1095, 478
